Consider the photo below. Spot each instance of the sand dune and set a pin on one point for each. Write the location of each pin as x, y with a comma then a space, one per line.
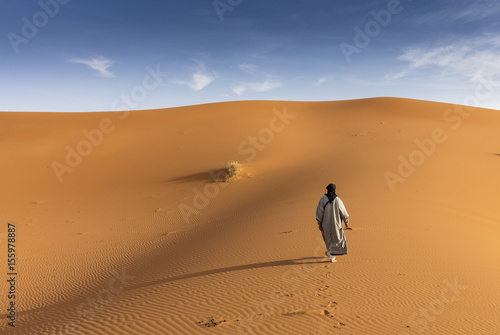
121, 228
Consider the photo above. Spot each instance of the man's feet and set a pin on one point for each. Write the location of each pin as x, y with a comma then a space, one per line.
331, 257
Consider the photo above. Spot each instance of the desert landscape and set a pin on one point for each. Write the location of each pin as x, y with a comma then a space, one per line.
124, 224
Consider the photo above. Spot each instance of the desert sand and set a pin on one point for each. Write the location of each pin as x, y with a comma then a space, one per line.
121, 228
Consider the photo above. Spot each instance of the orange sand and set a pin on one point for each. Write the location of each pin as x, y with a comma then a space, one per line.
423, 252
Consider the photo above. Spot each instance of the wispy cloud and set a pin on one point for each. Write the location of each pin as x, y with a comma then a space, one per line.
478, 11
253, 70
266, 81
474, 59
100, 64
322, 80
239, 90
465, 11
264, 86
396, 76
199, 79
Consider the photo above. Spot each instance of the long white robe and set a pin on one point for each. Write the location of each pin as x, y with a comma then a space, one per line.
330, 218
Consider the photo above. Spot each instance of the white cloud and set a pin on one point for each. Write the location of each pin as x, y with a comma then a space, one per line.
264, 86
323, 80
395, 76
474, 59
99, 64
239, 90
267, 82
199, 79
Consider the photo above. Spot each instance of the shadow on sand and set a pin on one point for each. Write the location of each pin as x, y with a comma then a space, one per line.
298, 261
211, 176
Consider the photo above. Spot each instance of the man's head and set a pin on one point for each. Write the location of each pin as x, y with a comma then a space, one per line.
331, 188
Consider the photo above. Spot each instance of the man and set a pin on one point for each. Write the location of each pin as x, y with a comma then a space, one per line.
329, 214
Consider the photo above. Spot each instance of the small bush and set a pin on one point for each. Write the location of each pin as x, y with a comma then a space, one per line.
232, 170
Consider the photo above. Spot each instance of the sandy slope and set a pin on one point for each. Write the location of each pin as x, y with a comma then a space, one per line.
108, 251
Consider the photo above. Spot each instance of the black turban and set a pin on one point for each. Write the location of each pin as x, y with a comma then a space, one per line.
331, 187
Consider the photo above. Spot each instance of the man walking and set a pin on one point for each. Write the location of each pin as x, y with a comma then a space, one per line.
329, 214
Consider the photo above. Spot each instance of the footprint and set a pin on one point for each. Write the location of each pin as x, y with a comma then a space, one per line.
339, 325
283, 294
332, 304
325, 312
210, 323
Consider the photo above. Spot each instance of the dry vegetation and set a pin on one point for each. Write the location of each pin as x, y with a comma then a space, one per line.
233, 169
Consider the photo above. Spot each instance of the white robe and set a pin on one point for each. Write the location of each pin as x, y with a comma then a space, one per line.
330, 218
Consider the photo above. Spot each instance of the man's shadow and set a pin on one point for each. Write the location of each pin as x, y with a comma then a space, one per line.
298, 261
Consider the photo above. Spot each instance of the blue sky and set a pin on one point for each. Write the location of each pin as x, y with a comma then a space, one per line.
89, 55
